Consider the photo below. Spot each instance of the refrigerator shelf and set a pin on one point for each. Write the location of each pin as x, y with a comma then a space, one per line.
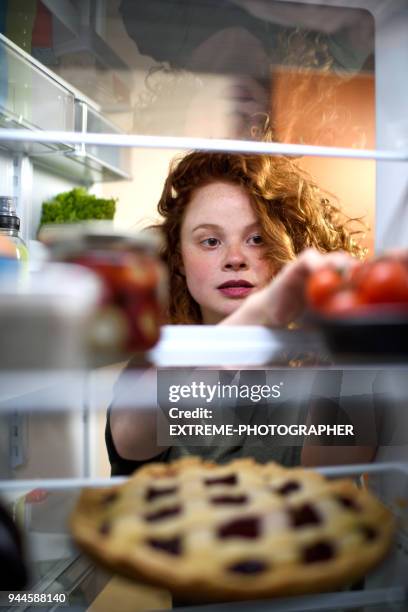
341, 471
68, 390
143, 141
179, 346
394, 598
385, 588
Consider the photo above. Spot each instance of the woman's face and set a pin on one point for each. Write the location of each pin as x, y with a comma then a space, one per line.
222, 250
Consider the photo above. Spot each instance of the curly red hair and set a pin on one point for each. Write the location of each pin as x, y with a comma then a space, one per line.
293, 212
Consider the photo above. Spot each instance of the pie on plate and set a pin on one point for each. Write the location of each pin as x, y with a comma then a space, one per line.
237, 531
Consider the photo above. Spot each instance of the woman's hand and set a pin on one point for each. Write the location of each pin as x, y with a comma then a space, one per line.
283, 299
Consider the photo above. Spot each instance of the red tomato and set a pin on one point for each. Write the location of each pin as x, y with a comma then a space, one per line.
139, 274
358, 272
343, 302
386, 282
321, 286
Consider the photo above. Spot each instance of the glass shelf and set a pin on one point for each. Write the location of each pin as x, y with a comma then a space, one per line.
326, 75
57, 566
205, 144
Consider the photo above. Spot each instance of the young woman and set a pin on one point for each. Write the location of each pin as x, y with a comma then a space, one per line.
241, 235
228, 218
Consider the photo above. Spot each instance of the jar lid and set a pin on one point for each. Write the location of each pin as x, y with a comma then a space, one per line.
10, 222
70, 238
8, 214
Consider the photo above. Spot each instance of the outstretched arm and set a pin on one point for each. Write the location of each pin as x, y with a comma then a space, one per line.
278, 304
283, 300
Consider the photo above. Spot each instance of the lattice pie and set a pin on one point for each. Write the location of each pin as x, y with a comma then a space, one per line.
235, 531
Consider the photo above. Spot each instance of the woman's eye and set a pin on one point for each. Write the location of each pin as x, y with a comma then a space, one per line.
210, 242
257, 239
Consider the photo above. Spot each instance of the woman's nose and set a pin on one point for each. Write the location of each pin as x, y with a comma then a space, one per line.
235, 260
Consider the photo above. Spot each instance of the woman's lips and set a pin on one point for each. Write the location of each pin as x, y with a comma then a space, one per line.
236, 292
235, 289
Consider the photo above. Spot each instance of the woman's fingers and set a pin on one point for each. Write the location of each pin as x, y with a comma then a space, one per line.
310, 260
284, 298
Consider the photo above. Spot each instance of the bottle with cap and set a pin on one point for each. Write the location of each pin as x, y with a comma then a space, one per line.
10, 227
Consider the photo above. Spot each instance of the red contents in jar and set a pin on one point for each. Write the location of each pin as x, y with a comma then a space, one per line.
130, 305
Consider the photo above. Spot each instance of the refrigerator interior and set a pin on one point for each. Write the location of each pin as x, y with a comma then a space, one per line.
104, 95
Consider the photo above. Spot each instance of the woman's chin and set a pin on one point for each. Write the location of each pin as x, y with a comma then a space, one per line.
232, 306
216, 315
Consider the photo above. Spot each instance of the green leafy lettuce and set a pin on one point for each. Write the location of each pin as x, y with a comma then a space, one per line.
76, 205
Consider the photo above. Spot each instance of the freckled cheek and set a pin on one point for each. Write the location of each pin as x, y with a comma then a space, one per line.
264, 270
198, 267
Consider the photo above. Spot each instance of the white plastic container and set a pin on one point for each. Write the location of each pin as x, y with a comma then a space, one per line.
44, 320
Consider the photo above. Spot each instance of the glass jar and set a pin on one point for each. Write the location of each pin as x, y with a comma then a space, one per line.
10, 227
131, 311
